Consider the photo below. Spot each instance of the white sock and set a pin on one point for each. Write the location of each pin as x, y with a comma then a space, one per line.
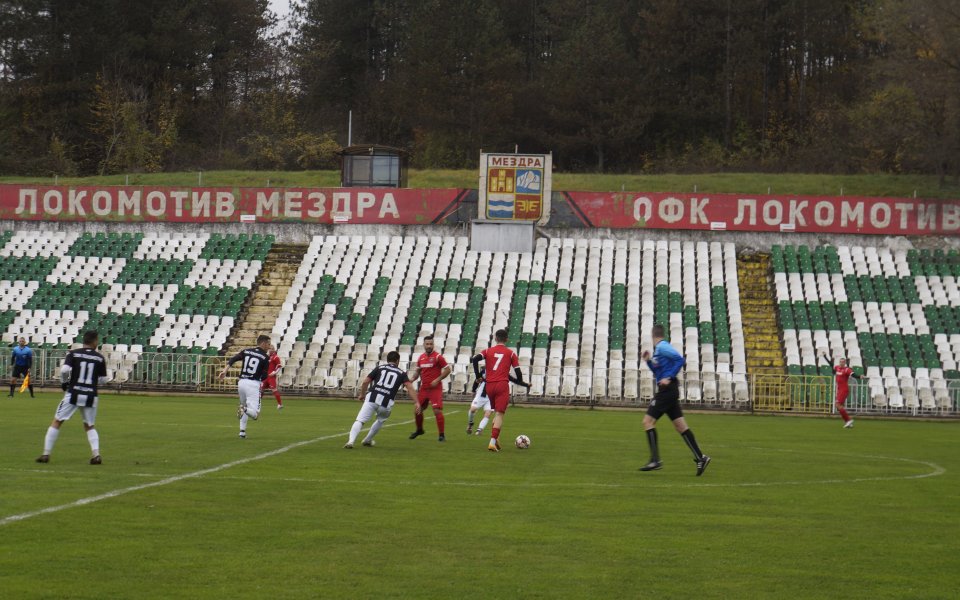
373, 431
50, 439
483, 423
94, 438
243, 422
355, 431
253, 414
470, 419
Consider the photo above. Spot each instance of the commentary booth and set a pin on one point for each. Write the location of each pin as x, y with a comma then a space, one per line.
370, 165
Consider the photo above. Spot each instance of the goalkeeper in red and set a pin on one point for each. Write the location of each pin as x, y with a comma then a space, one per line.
843, 373
498, 360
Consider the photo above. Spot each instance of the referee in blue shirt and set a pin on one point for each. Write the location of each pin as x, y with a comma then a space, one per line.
666, 363
22, 360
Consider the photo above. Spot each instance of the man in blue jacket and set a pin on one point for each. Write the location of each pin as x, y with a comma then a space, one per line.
666, 363
22, 360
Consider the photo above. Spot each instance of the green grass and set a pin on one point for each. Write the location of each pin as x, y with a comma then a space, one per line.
790, 508
925, 186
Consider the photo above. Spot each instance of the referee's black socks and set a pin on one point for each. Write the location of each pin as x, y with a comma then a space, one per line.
692, 442
654, 450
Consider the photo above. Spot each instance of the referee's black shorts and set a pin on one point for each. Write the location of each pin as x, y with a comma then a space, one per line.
666, 402
20, 371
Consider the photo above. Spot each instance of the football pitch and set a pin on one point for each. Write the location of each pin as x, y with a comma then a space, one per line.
183, 508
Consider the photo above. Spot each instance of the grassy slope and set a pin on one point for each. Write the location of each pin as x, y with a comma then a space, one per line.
569, 518
745, 183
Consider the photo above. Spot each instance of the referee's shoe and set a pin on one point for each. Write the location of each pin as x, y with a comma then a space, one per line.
702, 464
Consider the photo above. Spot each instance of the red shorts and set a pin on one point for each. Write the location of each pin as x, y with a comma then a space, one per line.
499, 394
842, 394
432, 395
270, 383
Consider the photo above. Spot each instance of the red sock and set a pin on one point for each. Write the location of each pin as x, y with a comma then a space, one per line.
495, 433
419, 419
276, 394
439, 415
843, 413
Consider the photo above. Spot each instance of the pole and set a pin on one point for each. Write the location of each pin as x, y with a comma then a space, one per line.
350, 128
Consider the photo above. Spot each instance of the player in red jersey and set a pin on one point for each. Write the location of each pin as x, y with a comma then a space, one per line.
498, 361
270, 383
431, 369
843, 373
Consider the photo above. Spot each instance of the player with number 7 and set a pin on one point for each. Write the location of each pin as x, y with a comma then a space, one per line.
497, 361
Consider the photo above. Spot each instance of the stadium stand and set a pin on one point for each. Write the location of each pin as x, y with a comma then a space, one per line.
577, 317
158, 293
578, 311
892, 313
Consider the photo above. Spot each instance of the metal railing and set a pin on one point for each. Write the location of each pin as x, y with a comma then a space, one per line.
567, 386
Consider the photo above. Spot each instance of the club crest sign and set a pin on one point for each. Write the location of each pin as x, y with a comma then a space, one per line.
515, 187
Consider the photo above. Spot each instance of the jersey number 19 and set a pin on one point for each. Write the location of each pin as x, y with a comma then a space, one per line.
250, 365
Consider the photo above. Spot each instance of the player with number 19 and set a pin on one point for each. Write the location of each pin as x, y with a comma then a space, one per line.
252, 373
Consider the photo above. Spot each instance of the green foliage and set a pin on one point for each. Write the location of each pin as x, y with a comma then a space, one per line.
840, 86
277, 141
60, 161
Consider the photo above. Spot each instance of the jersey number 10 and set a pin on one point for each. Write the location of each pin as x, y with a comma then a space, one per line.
387, 379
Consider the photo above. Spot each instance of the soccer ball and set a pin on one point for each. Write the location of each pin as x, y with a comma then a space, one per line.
522, 442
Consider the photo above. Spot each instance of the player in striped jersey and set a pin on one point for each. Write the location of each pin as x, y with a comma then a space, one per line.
378, 393
253, 371
82, 373
480, 401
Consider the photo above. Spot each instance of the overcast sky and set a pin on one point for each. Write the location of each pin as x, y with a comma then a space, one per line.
281, 7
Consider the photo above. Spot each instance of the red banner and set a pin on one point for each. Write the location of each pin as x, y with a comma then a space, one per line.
224, 204
719, 212
732, 212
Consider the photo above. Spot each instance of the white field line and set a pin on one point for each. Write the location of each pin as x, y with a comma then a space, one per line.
935, 471
177, 478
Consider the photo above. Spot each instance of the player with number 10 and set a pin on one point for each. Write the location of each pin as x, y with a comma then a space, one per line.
378, 393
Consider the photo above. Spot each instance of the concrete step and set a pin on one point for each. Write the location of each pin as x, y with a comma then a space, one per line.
270, 292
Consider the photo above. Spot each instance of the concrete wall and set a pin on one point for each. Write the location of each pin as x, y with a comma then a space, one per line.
301, 233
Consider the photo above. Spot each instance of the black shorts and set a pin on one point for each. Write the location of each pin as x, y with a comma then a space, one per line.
20, 371
666, 402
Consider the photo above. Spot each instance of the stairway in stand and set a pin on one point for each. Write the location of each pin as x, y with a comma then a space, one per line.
269, 292
760, 327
